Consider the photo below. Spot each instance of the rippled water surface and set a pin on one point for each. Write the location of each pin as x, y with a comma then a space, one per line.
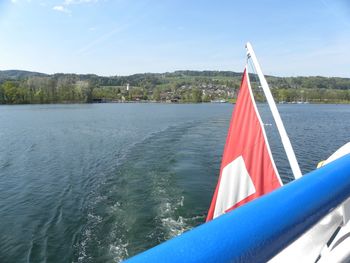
102, 182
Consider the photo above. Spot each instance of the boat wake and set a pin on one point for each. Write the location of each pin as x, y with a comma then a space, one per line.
144, 201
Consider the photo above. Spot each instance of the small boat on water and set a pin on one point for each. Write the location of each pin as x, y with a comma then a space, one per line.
218, 101
253, 216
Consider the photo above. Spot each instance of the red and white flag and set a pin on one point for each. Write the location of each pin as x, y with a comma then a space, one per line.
247, 168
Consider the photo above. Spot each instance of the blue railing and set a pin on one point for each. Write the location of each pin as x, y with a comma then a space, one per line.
259, 230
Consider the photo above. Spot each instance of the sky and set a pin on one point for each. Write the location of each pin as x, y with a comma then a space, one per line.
122, 37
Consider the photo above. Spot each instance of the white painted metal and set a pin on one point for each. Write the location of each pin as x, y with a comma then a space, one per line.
282, 131
314, 242
262, 126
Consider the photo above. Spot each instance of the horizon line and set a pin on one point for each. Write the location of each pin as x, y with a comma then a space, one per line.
165, 72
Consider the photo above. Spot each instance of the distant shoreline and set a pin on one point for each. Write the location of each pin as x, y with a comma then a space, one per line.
168, 103
22, 87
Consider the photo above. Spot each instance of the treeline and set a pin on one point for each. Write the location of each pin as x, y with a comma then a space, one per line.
312, 95
23, 87
35, 90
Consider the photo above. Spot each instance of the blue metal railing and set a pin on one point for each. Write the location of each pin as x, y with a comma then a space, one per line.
260, 229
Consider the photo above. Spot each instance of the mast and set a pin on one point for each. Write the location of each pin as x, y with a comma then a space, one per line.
282, 131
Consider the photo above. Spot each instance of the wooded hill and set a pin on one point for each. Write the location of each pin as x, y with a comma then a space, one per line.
21, 87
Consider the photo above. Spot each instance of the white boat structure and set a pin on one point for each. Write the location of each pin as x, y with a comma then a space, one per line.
218, 101
253, 217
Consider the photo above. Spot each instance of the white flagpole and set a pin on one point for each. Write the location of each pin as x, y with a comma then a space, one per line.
282, 131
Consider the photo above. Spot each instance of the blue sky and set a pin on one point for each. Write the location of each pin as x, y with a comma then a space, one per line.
121, 37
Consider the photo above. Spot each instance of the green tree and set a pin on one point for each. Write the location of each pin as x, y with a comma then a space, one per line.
2, 95
196, 95
156, 94
11, 93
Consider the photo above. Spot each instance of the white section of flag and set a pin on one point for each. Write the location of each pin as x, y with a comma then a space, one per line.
235, 185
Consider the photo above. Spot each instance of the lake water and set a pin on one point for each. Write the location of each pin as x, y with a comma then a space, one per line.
102, 182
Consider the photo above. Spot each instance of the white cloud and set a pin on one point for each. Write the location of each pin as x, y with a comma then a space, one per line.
17, 1
61, 8
72, 2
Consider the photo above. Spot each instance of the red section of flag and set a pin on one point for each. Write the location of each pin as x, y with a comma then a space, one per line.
246, 139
